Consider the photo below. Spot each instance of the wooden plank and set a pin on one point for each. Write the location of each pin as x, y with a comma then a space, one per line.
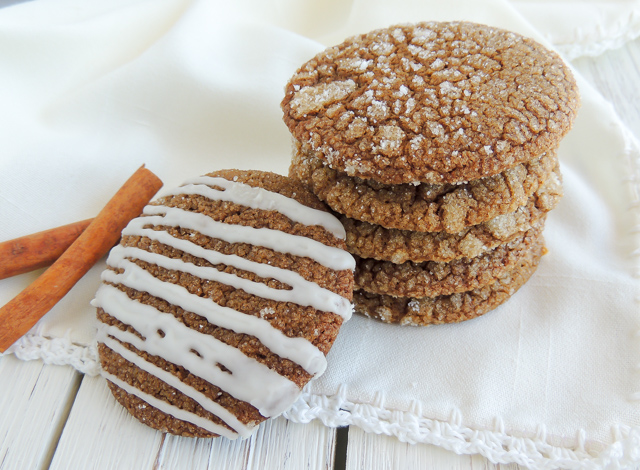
367, 451
278, 443
35, 402
101, 434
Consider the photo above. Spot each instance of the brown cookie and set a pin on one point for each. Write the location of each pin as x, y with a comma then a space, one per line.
438, 102
423, 207
431, 279
221, 303
448, 308
373, 241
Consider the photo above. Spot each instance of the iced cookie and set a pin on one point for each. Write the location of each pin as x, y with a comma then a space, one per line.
438, 102
221, 302
423, 207
431, 279
449, 308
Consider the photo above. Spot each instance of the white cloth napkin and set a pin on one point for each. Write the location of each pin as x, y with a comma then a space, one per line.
583, 27
92, 90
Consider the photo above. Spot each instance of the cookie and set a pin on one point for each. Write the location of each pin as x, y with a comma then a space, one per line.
374, 241
221, 302
423, 207
431, 279
437, 102
448, 308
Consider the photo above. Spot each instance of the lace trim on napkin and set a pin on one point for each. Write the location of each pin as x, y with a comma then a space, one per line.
495, 444
58, 351
408, 426
577, 49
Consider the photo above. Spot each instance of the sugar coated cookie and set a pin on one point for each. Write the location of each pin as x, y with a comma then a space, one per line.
424, 207
221, 302
431, 279
437, 102
449, 308
374, 241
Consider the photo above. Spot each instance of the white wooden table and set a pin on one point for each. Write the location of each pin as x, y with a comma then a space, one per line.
53, 417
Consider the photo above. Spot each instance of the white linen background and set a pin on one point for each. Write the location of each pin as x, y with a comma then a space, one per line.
92, 91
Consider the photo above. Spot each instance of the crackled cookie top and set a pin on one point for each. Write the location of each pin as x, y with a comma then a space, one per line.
221, 302
431, 102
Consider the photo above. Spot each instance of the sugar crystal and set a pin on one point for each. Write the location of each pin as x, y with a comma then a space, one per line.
313, 98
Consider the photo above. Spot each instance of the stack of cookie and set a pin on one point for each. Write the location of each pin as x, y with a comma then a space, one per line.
435, 143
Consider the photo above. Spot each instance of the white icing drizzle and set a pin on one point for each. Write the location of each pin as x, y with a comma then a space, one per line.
303, 292
105, 334
299, 350
168, 408
260, 198
248, 380
328, 256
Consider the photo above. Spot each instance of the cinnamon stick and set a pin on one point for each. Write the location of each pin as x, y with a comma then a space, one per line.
23, 311
38, 250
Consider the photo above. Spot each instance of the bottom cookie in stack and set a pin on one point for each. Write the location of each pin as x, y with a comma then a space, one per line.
431, 292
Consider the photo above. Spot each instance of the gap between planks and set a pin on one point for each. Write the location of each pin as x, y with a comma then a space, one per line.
36, 400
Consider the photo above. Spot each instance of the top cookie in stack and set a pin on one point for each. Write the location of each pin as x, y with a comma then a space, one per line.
436, 143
